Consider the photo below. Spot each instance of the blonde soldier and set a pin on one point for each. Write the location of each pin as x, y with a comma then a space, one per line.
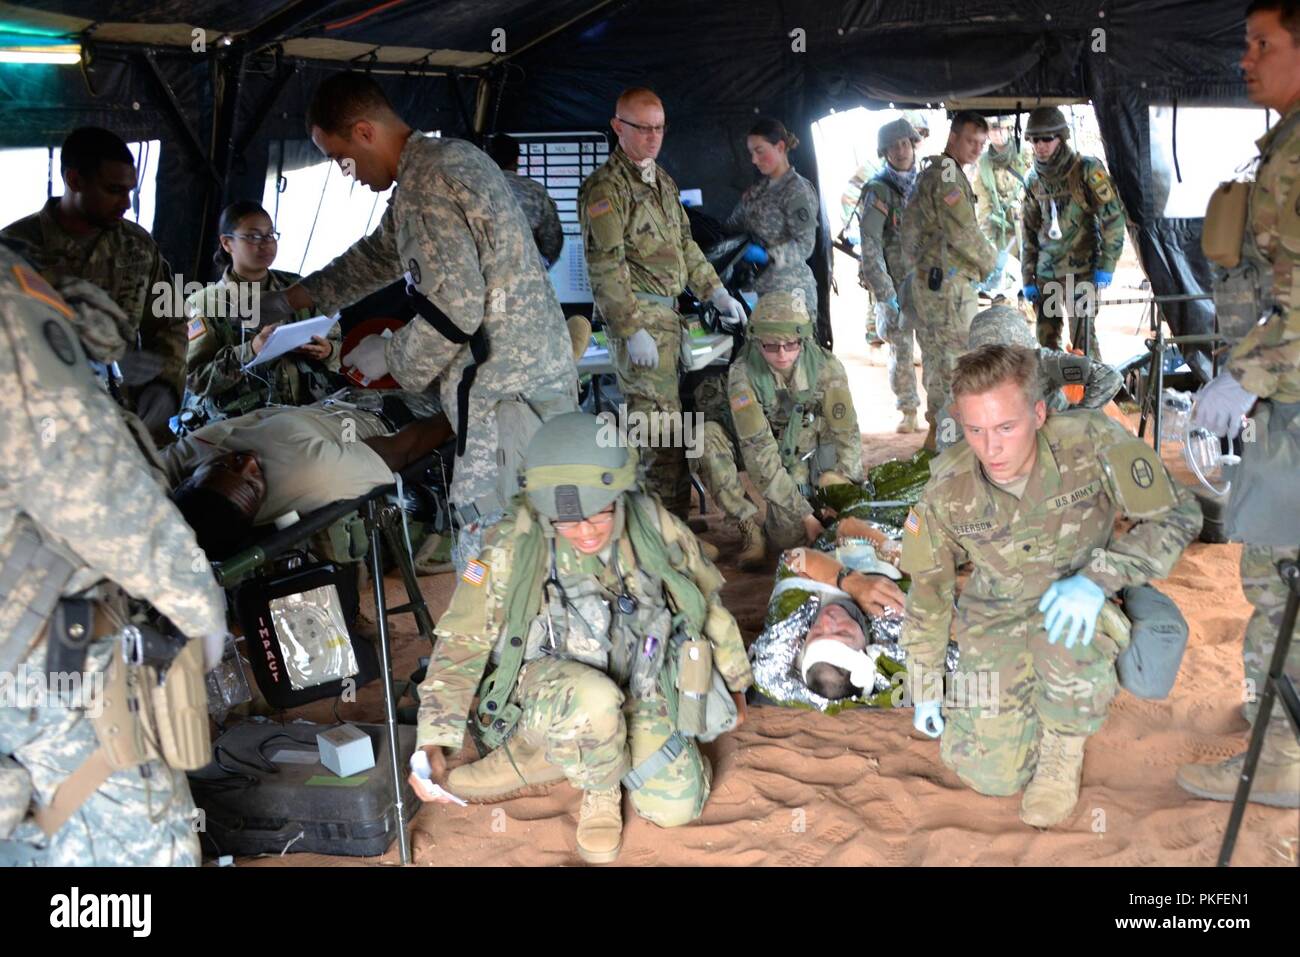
1265, 367
1031, 502
793, 419
606, 646
947, 256
83, 516
489, 327
223, 339
83, 235
640, 257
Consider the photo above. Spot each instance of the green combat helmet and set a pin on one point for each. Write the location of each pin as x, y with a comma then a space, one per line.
780, 317
892, 132
1045, 121
575, 466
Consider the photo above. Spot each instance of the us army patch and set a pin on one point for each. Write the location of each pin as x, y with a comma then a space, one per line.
195, 328
972, 528
60, 342
803, 215
1142, 473
837, 412
953, 197
34, 285
599, 208
1087, 491
881, 205
475, 572
1101, 186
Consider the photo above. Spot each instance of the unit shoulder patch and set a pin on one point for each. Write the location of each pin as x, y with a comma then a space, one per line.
33, 284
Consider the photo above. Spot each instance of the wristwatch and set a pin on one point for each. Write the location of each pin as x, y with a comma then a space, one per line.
844, 573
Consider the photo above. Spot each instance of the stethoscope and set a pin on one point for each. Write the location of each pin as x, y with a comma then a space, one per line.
625, 602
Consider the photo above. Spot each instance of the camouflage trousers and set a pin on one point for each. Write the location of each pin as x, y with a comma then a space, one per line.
902, 360
942, 329
650, 391
596, 733
1054, 304
142, 816
718, 471
1010, 685
1266, 591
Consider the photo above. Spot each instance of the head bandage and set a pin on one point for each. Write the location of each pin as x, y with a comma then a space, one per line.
861, 665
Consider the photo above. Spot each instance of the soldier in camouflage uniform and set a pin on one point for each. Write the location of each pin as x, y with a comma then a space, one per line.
999, 187
1073, 232
82, 235
1065, 381
1031, 501
881, 268
570, 610
780, 212
793, 419
83, 513
1265, 367
947, 256
489, 325
640, 257
223, 338
539, 208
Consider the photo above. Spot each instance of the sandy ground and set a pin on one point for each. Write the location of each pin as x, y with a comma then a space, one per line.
800, 788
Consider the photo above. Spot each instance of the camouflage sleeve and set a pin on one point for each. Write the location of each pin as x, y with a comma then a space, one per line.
913, 224
872, 271
1031, 221
987, 206
368, 265
68, 460
842, 420
215, 358
720, 626
550, 234
700, 276
1102, 385
603, 213
335, 338
801, 214
463, 642
965, 238
164, 336
735, 222
930, 558
1269, 354
1110, 216
1167, 515
758, 446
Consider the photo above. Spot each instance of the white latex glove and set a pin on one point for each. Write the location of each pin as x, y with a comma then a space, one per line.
927, 719
728, 306
214, 646
642, 350
1221, 404
368, 357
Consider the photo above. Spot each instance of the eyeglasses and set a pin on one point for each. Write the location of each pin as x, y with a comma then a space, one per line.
257, 239
1043, 139
600, 520
776, 348
642, 128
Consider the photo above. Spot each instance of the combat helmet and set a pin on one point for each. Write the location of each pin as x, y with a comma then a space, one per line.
892, 132
780, 317
575, 466
1045, 121
1000, 325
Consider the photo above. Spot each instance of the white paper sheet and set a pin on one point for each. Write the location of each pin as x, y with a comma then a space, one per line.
291, 336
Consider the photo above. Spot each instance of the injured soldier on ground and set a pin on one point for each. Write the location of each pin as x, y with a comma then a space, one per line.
233, 475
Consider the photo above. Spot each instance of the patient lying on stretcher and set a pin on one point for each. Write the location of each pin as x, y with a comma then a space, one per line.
233, 475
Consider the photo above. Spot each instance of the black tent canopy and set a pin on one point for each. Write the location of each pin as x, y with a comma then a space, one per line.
470, 67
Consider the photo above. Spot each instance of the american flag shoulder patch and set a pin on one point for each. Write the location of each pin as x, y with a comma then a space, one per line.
953, 197
475, 572
738, 402
195, 328
881, 205
913, 523
599, 208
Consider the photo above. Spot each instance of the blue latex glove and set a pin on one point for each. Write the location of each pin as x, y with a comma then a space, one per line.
927, 719
1072, 603
756, 254
1101, 279
1031, 293
1001, 264
1221, 404
853, 238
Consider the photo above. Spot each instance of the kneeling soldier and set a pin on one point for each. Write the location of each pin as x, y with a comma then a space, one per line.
1031, 503
793, 418
605, 645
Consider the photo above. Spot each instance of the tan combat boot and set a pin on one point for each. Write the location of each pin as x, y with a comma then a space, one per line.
1054, 790
909, 423
517, 767
600, 825
1277, 776
753, 547
930, 441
